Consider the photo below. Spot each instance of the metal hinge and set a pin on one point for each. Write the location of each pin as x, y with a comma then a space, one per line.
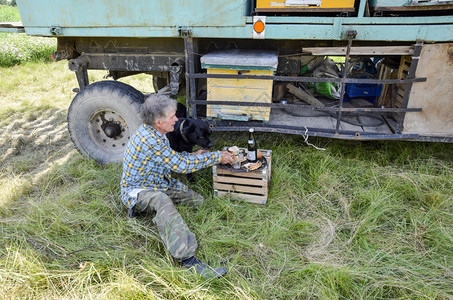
56, 30
185, 32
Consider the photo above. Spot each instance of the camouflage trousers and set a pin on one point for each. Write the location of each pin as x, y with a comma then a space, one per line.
179, 241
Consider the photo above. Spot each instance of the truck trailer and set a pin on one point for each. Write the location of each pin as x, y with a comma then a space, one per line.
361, 70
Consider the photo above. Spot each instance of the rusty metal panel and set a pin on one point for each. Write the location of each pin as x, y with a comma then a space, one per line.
141, 13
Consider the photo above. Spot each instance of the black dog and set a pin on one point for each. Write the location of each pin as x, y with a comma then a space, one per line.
187, 134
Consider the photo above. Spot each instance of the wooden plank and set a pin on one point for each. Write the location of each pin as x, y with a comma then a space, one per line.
388, 50
386, 73
304, 96
404, 67
254, 174
435, 95
249, 198
398, 101
244, 181
11, 25
400, 93
240, 188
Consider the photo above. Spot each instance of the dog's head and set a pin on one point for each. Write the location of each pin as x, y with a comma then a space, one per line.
198, 133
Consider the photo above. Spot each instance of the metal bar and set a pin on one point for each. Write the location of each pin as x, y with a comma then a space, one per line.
82, 77
190, 69
362, 7
410, 75
80, 67
308, 79
304, 107
314, 132
351, 36
129, 62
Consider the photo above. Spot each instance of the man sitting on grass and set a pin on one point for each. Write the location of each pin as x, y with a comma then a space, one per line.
147, 185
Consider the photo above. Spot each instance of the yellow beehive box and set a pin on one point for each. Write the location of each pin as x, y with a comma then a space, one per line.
243, 62
304, 3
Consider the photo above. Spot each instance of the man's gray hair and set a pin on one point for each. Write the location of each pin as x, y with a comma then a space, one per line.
156, 106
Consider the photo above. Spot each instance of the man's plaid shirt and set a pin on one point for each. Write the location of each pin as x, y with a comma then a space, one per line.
149, 160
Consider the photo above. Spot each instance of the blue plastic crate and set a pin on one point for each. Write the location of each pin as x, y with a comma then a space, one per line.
364, 90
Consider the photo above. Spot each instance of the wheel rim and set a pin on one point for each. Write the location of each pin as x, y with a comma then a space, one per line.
109, 131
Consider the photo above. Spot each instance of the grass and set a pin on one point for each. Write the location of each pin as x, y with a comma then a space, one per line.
359, 220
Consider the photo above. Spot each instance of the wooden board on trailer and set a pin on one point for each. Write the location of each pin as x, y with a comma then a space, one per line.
412, 8
435, 95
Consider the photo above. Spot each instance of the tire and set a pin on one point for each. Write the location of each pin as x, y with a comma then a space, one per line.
101, 119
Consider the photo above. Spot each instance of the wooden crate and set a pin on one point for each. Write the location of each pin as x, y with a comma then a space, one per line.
250, 186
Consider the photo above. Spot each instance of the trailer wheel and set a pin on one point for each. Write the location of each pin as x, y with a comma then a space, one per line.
101, 119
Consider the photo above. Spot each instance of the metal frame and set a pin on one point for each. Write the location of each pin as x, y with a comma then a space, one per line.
224, 125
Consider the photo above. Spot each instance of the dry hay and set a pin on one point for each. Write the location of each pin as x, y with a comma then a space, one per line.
30, 145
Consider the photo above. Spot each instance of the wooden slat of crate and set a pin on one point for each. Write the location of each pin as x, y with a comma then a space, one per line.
250, 186
249, 198
241, 187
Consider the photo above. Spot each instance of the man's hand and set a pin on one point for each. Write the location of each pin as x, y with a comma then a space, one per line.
201, 151
227, 157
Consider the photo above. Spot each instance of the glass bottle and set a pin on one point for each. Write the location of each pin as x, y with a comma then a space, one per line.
252, 149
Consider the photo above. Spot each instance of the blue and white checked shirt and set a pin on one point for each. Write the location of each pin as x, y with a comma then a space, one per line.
149, 160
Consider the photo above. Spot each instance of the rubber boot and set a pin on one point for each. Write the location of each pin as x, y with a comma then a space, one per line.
202, 269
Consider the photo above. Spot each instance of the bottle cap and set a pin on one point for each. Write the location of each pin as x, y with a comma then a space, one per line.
251, 130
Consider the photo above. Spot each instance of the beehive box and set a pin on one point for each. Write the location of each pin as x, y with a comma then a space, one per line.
250, 186
234, 62
303, 4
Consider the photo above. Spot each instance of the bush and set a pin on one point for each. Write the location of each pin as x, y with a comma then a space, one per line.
9, 13
17, 48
